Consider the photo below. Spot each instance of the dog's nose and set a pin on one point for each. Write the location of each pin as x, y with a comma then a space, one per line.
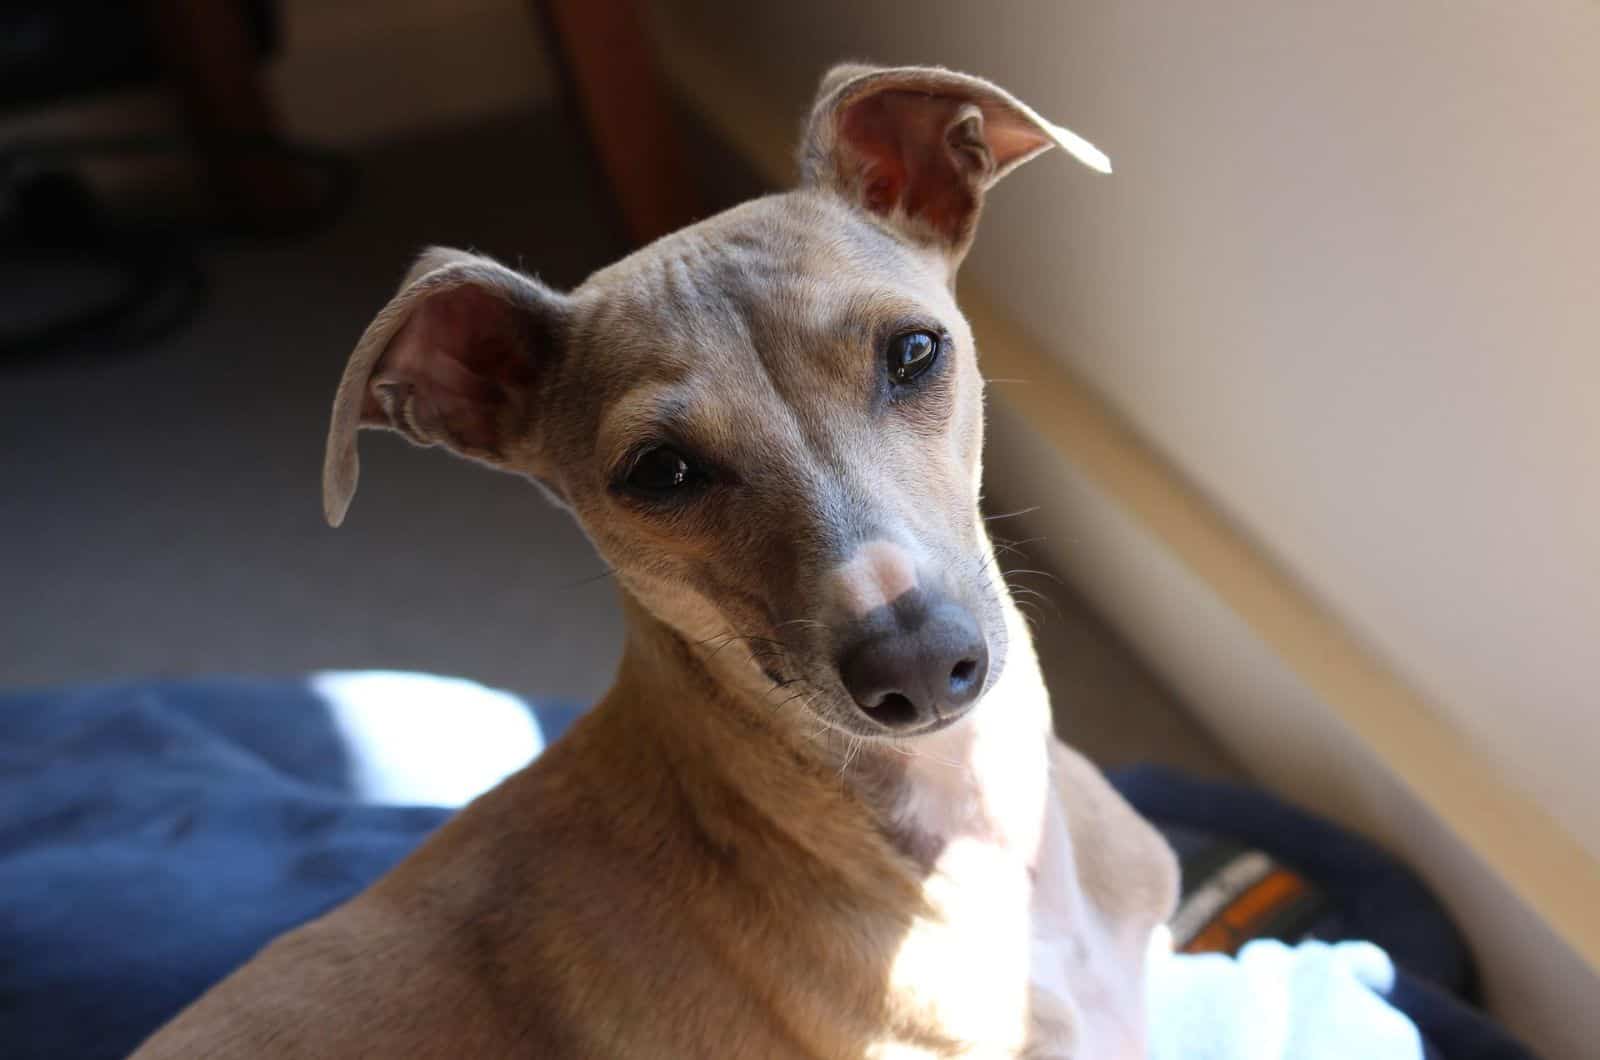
930, 666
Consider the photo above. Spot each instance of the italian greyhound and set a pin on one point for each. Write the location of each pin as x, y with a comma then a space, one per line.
822, 811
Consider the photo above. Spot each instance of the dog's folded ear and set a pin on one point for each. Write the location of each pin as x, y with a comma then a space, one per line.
453, 360
919, 146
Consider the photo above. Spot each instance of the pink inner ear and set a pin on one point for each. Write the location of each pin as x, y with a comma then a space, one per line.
900, 142
1009, 138
453, 372
897, 139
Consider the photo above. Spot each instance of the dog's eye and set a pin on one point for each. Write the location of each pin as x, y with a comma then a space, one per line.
910, 354
662, 470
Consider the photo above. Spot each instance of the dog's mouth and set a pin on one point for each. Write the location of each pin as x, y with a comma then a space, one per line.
848, 719
937, 725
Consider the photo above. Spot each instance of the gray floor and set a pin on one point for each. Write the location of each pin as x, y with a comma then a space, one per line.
159, 514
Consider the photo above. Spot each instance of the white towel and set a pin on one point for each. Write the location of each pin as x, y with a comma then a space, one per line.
1313, 1001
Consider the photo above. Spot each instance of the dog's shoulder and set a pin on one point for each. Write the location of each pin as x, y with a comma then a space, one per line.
1124, 865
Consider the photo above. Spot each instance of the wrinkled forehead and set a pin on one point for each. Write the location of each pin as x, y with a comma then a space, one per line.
781, 292
783, 274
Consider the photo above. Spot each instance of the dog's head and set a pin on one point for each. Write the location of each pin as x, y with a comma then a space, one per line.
769, 423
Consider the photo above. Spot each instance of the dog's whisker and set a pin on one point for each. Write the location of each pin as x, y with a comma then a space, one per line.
718, 650
852, 749
1014, 548
789, 700
1030, 570
730, 635
1035, 594
1011, 515
913, 753
1036, 604
609, 572
800, 622
736, 637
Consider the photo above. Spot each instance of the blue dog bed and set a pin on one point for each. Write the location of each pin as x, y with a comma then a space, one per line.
153, 836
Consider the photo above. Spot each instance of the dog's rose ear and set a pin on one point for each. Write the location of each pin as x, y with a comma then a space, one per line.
452, 360
919, 146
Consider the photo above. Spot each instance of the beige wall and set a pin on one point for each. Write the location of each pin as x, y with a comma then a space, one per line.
1349, 282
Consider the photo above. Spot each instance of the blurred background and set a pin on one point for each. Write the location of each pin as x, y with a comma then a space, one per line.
1309, 421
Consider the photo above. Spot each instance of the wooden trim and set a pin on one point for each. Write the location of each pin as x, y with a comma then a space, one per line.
626, 109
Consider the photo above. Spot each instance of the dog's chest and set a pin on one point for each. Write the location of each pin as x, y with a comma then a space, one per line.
966, 969
1009, 954
1010, 961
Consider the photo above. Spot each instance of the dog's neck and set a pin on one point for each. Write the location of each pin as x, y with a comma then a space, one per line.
739, 755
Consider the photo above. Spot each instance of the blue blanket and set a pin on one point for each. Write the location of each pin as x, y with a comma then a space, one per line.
153, 836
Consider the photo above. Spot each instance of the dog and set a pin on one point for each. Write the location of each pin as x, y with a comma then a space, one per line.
822, 811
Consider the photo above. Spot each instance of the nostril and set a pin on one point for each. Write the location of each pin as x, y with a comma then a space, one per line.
907, 677
894, 709
962, 674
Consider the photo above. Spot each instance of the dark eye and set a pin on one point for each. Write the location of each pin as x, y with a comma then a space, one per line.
910, 354
662, 470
